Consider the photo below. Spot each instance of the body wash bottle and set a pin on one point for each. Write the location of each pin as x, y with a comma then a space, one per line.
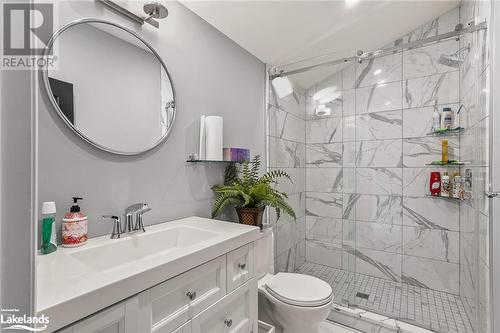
445, 185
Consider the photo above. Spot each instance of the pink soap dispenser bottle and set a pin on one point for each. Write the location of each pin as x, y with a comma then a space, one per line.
74, 226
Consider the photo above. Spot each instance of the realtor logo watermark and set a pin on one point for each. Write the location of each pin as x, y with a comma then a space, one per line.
11, 319
27, 29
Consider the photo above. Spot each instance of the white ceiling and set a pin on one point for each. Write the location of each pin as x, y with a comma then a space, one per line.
281, 32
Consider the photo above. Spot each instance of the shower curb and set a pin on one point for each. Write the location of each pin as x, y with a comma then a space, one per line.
370, 322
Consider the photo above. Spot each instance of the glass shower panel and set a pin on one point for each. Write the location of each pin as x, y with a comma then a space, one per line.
368, 226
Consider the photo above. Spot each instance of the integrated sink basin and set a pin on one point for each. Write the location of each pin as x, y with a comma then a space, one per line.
80, 281
109, 255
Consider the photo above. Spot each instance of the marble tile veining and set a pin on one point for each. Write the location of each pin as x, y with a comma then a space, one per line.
431, 90
324, 204
379, 125
324, 130
386, 181
324, 154
431, 243
379, 153
382, 97
424, 61
379, 70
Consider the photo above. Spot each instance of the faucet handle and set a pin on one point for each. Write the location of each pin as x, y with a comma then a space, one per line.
117, 226
139, 225
135, 208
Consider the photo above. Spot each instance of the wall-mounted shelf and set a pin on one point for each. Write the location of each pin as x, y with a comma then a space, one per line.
444, 197
447, 132
213, 161
446, 165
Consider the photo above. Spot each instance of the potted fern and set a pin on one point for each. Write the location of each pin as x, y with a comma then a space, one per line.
250, 193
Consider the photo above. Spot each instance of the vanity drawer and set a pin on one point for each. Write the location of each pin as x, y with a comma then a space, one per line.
239, 266
235, 313
119, 318
174, 302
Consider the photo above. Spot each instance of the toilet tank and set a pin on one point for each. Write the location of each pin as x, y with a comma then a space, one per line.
264, 253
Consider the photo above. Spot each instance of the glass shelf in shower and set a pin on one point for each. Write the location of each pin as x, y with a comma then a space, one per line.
446, 165
444, 197
447, 132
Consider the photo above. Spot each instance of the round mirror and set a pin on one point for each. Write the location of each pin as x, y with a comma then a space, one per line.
110, 86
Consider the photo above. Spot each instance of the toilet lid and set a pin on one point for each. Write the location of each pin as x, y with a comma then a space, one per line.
299, 289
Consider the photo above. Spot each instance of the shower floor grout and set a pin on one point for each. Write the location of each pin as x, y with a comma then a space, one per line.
432, 309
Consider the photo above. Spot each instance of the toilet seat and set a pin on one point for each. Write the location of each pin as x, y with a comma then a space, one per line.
299, 289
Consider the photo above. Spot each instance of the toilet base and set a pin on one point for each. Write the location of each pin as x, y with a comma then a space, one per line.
290, 319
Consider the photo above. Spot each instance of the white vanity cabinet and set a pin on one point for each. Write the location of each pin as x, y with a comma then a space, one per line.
119, 318
219, 296
235, 313
172, 303
240, 266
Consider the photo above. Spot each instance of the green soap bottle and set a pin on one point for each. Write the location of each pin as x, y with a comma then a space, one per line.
49, 241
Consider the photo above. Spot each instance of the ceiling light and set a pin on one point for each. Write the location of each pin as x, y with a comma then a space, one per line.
377, 72
282, 86
322, 110
327, 95
351, 3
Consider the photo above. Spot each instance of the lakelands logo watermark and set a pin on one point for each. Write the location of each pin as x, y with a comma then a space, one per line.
11, 319
27, 29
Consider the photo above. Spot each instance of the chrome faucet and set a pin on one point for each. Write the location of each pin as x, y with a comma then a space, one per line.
117, 225
135, 212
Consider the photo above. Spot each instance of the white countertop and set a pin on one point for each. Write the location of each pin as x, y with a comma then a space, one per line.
68, 289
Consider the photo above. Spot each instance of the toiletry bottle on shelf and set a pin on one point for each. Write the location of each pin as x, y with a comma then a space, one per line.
74, 227
444, 152
447, 118
49, 242
435, 183
458, 186
445, 185
436, 120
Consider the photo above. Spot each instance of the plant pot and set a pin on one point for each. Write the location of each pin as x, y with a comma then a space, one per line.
250, 216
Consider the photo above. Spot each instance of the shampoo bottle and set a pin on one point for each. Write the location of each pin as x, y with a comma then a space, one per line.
447, 119
49, 242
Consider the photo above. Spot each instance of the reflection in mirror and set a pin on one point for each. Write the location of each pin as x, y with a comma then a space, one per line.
111, 87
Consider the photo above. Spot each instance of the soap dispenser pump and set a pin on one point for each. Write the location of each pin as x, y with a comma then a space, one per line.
74, 226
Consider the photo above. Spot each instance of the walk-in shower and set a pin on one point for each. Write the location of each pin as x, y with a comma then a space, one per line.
355, 135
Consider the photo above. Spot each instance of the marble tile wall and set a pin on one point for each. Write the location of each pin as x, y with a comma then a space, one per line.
366, 173
474, 220
286, 137
361, 179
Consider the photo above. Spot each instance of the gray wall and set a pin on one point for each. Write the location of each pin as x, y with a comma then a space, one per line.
211, 74
15, 172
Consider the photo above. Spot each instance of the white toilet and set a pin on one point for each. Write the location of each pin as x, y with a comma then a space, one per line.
296, 303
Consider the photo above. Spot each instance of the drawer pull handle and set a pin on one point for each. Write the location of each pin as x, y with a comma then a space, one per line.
228, 322
242, 265
191, 295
